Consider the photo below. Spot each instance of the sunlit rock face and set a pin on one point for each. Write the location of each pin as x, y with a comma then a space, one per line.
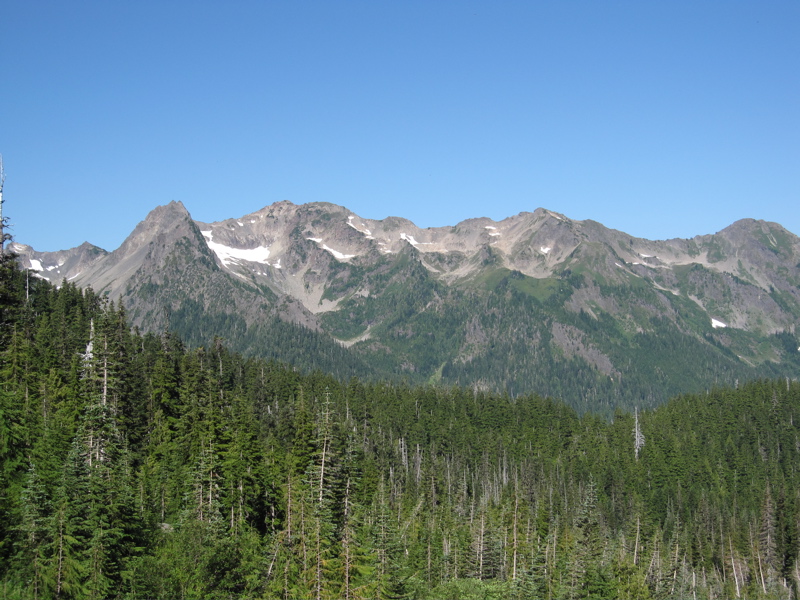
436, 303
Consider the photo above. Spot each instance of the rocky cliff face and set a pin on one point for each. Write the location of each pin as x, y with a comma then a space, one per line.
441, 303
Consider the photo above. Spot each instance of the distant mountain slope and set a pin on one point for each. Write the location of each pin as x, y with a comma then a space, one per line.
533, 302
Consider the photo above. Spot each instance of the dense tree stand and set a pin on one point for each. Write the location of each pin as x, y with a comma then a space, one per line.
135, 467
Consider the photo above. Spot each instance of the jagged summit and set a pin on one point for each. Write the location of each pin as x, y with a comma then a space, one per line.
287, 240
383, 287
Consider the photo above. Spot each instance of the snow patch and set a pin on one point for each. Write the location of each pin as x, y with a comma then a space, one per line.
73, 277
490, 227
240, 223
545, 249
410, 239
494, 235
36, 265
336, 254
717, 324
365, 231
228, 255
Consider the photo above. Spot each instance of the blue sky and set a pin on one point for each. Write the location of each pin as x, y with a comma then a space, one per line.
661, 119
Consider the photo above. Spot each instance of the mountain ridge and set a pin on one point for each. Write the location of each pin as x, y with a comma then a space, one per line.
446, 304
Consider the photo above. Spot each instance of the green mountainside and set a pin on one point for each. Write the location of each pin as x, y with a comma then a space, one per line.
533, 303
516, 333
134, 466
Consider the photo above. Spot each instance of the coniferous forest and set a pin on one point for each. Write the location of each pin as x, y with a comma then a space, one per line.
132, 466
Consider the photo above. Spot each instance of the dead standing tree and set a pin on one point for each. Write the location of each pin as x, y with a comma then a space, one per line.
638, 436
4, 237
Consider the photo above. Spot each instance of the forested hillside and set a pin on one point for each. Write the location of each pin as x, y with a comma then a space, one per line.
536, 302
133, 466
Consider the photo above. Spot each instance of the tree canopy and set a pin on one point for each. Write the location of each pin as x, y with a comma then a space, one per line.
133, 466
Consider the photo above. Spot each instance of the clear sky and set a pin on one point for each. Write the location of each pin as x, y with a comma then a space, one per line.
659, 118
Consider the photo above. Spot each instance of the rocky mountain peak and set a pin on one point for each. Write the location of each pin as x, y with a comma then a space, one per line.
442, 301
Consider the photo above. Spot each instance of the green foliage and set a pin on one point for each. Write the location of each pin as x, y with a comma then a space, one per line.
133, 466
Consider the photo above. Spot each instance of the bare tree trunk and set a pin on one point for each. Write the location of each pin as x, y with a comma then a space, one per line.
2, 221
733, 565
289, 508
105, 370
514, 561
479, 549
